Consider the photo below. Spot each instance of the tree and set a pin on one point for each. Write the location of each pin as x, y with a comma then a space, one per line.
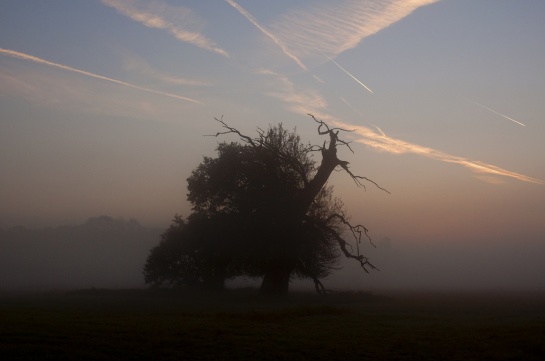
193, 253
274, 215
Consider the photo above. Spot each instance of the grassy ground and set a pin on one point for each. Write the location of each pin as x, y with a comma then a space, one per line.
108, 325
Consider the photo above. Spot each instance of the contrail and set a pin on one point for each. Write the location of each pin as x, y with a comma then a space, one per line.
305, 101
495, 112
18, 55
388, 144
346, 71
277, 41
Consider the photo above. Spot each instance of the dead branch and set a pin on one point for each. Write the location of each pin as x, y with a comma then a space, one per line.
318, 285
364, 261
334, 140
332, 132
357, 232
231, 130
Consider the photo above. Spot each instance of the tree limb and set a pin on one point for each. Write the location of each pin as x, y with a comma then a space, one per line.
231, 130
357, 232
331, 151
318, 285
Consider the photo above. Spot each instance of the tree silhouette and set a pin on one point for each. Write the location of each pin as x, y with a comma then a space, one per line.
192, 253
262, 208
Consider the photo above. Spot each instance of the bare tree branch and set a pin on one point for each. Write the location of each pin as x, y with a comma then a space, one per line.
364, 261
334, 139
332, 132
357, 232
357, 178
318, 285
231, 130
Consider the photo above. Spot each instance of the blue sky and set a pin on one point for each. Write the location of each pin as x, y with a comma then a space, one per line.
104, 105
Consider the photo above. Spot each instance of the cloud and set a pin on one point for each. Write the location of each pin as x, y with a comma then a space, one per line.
18, 55
179, 21
331, 27
382, 142
74, 94
300, 101
334, 27
303, 101
15, 85
270, 35
140, 66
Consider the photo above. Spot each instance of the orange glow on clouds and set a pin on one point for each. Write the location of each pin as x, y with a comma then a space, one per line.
382, 142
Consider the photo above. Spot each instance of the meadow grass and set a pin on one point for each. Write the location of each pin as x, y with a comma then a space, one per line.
240, 325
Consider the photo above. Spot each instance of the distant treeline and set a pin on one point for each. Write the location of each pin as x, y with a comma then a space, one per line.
103, 252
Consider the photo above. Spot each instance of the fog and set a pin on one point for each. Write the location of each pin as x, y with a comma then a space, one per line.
506, 265
100, 253
104, 252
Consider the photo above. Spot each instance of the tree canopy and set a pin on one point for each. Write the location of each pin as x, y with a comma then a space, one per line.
261, 208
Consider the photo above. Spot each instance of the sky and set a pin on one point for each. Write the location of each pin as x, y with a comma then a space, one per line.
105, 107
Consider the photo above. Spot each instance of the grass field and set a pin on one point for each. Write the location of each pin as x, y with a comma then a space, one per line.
239, 325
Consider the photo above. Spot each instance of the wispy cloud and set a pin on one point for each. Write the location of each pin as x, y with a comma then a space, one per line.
299, 101
18, 55
382, 142
303, 101
333, 27
10, 84
179, 21
269, 34
139, 65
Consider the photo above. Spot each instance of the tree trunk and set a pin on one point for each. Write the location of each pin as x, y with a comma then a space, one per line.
327, 166
216, 280
215, 283
276, 281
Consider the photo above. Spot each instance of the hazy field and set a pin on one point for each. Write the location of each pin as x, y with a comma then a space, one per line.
107, 325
